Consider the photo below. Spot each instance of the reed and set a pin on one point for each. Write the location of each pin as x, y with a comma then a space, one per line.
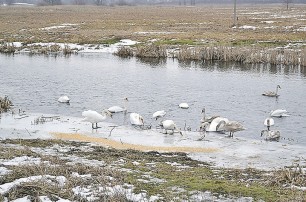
243, 54
7, 48
124, 51
151, 51
5, 104
303, 57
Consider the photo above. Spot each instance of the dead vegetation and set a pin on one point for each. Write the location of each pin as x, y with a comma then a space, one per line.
79, 171
203, 32
5, 104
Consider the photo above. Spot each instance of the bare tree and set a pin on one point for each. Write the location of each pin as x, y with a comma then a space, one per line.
288, 2
53, 2
9, 2
99, 2
79, 2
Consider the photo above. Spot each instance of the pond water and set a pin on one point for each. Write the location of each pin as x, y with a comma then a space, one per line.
98, 81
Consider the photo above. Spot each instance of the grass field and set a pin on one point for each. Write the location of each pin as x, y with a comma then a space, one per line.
266, 25
83, 172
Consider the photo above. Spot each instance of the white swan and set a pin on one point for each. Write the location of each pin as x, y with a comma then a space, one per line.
94, 117
115, 109
213, 125
184, 105
63, 99
271, 93
279, 113
170, 127
208, 119
269, 122
271, 135
231, 127
136, 119
159, 114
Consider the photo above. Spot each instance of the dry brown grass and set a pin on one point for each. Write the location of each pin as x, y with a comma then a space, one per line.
5, 104
203, 23
119, 168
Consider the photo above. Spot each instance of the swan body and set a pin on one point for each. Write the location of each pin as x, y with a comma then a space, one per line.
203, 127
230, 126
271, 135
64, 99
136, 119
205, 118
184, 105
271, 93
213, 124
170, 127
116, 109
279, 113
94, 117
159, 114
269, 122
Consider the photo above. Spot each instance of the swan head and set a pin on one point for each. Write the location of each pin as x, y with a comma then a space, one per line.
203, 110
278, 86
125, 99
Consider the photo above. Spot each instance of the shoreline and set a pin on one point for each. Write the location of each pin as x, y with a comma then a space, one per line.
237, 152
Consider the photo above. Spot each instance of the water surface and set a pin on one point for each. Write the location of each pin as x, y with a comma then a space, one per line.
98, 81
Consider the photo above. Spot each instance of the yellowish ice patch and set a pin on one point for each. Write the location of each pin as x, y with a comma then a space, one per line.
121, 145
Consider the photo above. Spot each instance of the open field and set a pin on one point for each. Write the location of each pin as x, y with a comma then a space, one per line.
266, 25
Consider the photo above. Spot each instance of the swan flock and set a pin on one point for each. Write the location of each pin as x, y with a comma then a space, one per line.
213, 123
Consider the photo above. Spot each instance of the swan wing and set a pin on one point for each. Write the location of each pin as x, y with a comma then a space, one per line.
159, 114
93, 116
115, 109
168, 125
279, 113
269, 122
213, 125
135, 119
184, 105
234, 126
63, 99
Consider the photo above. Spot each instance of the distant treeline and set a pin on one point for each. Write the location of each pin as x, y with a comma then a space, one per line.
146, 2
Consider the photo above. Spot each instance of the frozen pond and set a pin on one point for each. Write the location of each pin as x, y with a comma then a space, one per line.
98, 81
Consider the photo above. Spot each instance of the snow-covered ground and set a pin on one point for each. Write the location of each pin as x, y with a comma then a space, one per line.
221, 151
87, 48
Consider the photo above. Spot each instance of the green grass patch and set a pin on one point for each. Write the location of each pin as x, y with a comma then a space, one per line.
110, 41
176, 42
